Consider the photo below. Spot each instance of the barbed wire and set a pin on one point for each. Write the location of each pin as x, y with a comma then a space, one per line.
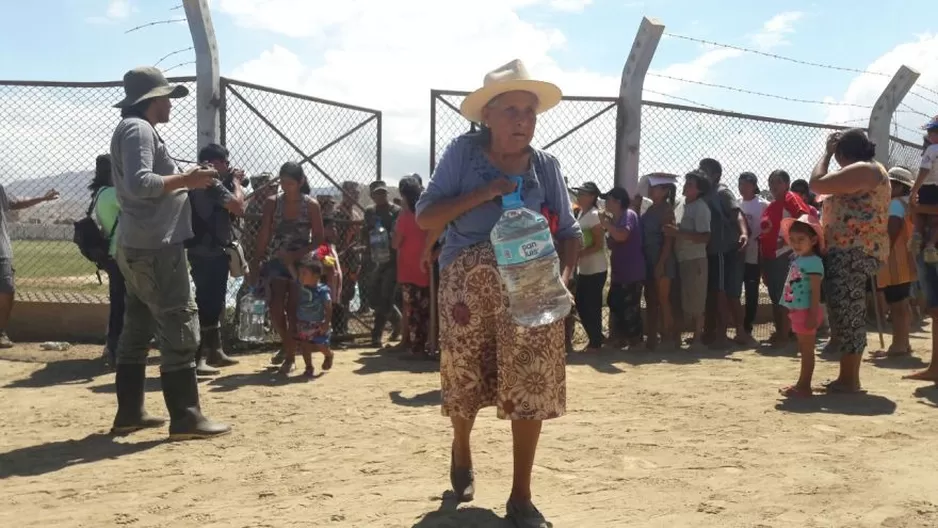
679, 98
156, 23
180, 65
761, 94
922, 97
180, 6
791, 59
170, 54
915, 111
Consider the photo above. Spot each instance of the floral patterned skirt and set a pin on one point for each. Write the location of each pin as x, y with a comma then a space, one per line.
486, 359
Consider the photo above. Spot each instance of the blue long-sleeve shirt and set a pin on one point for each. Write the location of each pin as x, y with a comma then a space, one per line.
464, 167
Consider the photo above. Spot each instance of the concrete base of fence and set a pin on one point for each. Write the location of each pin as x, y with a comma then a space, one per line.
58, 321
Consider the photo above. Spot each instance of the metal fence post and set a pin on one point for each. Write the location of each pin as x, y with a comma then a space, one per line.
222, 110
206, 70
886, 104
629, 117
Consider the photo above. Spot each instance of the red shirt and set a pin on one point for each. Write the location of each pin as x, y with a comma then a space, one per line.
792, 206
409, 250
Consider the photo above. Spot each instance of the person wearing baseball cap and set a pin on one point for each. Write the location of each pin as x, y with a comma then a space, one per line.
627, 266
592, 267
925, 192
383, 276
156, 219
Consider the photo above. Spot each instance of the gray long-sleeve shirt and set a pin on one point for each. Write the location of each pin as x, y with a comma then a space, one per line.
150, 219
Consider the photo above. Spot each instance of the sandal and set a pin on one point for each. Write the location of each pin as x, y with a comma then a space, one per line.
891, 353
309, 373
794, 391
327, 363
287, 367
837, 387
525, 516
462, 480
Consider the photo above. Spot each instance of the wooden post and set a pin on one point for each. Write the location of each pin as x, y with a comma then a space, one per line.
885, 107
629, 107
207, 73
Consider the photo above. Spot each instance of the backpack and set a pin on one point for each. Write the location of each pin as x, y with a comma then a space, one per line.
91, 240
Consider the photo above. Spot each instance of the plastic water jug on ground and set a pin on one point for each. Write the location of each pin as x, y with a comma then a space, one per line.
380, 244
252, 318
528, 263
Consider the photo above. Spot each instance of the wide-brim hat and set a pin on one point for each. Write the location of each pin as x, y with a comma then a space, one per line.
147, 82
807, 219
512, 77
901, 175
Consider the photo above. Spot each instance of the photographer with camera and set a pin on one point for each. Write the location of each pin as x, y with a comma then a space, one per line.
156, 219
214, 210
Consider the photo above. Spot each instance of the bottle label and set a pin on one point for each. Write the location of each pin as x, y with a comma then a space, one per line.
512, 252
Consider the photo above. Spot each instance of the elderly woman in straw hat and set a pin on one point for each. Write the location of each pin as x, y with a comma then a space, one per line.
487, 359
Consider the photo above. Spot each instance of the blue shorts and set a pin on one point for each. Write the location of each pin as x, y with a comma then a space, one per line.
928, 281
311, 333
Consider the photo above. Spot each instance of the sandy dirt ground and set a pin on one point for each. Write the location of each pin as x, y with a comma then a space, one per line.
663, 439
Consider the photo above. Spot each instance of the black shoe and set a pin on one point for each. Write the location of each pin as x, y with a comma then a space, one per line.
525, 516
181, 392
202, 368
213, 350
131, 415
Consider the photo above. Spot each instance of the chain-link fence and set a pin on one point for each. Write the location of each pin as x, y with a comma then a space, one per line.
52, 133
581, 132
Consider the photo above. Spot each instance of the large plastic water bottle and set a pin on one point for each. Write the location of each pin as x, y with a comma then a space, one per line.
528, 263
252, 319
380, 244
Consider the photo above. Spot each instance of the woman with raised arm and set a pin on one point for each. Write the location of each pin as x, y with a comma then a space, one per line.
854, 216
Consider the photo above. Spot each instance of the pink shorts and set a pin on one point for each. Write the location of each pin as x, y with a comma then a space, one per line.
799, 321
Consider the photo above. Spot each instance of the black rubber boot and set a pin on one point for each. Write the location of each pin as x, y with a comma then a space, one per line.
131, 416
186, 422
202, 367
213, 349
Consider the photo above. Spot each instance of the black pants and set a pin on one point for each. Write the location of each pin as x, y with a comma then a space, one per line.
210, 276
589, 304
116, 291
383, 296
752, 274
625, 306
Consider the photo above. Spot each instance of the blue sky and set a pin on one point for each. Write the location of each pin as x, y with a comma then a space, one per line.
369, 53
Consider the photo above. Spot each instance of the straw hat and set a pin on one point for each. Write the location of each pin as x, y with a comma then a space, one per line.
807, 219
901, 175
512, 77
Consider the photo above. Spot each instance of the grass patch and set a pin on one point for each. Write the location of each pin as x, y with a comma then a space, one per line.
53, 265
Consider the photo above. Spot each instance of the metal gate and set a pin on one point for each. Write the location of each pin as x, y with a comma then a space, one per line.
52, 132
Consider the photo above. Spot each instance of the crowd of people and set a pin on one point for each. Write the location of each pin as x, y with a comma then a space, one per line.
696, 255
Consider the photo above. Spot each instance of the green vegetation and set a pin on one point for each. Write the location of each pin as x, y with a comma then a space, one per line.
53, 265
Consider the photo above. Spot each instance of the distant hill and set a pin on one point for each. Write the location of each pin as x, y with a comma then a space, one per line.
75, 197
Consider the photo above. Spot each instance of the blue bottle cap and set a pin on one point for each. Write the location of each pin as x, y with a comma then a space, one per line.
513, 200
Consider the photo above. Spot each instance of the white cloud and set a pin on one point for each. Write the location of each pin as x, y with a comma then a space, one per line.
776, 29
920, 55
571, 6
116, 10
365, 57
